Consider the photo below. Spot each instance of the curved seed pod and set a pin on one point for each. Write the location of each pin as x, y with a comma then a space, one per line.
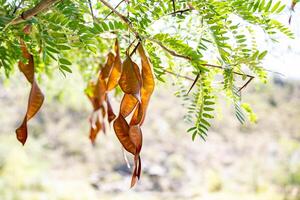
95, 128
121, 128
100, 92
97, 97
136, 171
91, 94
106, 70
130, 81
147, 86
98, 108
147, 74
128, 103
138, 115
27, 69
135, 134
36, 97
148, 81
116, 69
110, 112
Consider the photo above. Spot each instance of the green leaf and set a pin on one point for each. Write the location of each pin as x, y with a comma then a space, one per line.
63, 47
65, 68
104, 26
275, 7
268, 6
64, 61
262, 55
191, 129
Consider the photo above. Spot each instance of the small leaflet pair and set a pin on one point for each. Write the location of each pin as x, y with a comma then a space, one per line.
36, 97
138, 86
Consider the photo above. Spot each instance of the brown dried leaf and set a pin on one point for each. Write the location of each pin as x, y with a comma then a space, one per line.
138, 115
121, 128
135, 134
136, 171
98, 108
110, 112
148, 80
116, 69
146, 90
36, 96
130, 81
106, 70
128, 103
95, 128
147, 74
100, 93
27, 69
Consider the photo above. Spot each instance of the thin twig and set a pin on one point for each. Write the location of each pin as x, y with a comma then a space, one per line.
194, 83
18, 6
245, 85
115, 8
174, 9
178, 75
127, 50
135, 48
91, 9
173, 53
181, 11
122, 17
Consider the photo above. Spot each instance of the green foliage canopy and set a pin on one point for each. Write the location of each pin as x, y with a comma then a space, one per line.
208, 39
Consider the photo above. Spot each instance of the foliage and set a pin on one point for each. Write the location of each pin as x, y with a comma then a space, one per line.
205, 38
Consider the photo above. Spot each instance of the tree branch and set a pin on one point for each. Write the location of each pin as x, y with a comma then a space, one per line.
18, 6
122, 17
115, 8
174, 9
41, 6
245, 85
173, 53
181, 11
91, 9
194, 83
181, 76
125, 20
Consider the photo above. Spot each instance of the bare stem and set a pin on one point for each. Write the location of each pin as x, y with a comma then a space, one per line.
178, 75
18, 6
181, 11
91, 9
245, 85
41, 6
122, 17
125, 20
174, 9
115, 8
173, 53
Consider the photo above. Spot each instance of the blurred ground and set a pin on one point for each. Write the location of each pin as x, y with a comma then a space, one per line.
255, 161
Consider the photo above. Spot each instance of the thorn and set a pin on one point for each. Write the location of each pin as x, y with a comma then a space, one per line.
195, 81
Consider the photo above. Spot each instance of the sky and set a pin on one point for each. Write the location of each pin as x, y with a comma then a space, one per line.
284, 56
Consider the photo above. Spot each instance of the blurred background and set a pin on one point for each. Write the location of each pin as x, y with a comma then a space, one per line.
253, 161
